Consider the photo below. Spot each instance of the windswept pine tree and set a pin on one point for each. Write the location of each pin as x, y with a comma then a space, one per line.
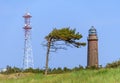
59, 39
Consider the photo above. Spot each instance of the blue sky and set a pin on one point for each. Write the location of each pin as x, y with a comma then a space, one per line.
104, 15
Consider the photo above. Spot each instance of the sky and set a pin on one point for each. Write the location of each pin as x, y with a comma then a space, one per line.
104, 15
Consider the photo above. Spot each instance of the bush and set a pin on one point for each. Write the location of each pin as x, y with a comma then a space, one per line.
113, 64
92, 67
10, 70
77, 68
31, 70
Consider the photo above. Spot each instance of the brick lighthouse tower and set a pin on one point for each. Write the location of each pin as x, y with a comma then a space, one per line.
92, 57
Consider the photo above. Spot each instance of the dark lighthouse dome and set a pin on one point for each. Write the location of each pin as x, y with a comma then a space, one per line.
92, 31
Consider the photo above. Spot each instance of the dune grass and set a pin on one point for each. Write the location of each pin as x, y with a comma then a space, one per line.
81, 76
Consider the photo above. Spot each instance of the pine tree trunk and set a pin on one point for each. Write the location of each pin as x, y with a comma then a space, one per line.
47, 56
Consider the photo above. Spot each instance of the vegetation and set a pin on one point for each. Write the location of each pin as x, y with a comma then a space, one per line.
109, 74
59, 70
13, 70
114, 64
81, 76
67, 35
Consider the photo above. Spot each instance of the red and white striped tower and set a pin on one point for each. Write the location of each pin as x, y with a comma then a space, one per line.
28, 54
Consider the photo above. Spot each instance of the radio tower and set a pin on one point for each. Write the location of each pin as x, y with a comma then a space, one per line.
28, 55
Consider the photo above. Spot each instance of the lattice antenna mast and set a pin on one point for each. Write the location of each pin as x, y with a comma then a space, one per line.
28, 55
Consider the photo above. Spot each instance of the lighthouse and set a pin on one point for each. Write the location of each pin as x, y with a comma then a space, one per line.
92, 55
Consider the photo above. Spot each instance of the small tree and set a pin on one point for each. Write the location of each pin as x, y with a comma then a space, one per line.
67, 35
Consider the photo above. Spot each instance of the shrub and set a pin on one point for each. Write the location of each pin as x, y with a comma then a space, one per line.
113, 64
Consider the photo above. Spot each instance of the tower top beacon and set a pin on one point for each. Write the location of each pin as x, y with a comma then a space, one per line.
92, 31
27, 15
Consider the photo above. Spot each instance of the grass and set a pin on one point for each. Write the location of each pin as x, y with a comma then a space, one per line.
81, 76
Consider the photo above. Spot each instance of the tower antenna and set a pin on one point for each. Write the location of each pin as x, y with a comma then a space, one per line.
28, 54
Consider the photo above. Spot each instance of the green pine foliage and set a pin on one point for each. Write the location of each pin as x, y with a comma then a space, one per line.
66, 34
